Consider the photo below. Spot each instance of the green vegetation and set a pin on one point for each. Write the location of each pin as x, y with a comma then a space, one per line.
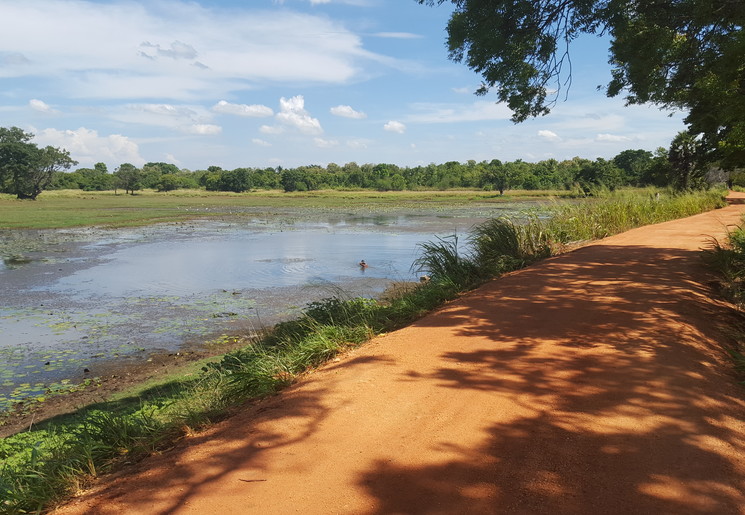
502, 245
75, 208
684, 55
25, 169
728, 260
43, 465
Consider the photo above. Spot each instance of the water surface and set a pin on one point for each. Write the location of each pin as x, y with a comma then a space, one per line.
73, 300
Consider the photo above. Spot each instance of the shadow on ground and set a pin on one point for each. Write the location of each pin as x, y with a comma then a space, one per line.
619, 393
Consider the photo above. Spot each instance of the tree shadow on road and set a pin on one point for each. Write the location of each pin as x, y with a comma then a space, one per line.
615, 355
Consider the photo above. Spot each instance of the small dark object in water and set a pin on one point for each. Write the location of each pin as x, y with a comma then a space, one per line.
224, 314
85, 370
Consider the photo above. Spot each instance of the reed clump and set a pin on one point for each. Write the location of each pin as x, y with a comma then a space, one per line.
42, 466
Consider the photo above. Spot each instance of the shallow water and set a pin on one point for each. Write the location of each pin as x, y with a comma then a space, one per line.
75, 300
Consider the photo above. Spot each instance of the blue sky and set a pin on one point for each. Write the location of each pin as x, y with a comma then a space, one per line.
266, 83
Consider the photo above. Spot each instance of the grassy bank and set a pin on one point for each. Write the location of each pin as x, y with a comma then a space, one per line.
727, 258
75, 208
43, 465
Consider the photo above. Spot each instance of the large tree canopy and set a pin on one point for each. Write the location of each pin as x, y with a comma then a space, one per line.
25, 169
678, 54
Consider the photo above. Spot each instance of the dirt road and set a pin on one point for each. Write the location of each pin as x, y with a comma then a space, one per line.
594, 382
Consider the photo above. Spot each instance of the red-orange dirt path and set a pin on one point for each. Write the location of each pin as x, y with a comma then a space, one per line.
591, 383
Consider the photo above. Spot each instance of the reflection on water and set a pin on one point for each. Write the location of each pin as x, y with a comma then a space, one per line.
110, 294
240, 259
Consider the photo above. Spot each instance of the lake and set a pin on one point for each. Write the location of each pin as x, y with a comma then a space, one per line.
75, 300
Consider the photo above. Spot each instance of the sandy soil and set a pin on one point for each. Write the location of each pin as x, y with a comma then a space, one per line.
594, 382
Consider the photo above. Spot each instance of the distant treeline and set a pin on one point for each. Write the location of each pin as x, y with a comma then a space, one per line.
629, 168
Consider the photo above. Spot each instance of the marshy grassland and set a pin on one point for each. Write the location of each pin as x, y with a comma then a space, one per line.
55, 458
76, 208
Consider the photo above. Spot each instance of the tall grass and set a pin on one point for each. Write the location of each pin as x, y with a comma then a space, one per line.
504, 244
612, 214
727, 258
44, 465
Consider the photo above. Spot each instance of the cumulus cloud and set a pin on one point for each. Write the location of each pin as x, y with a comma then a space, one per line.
255, 110
261, 142
347, 112
293, 114
394, 126
41, 106
549, 135
87, 147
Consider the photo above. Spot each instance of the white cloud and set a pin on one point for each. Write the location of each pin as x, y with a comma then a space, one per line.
41, 106
87, 147
347, 112
254, 110
456, 113
358, 144
170, 158
261, 142
549, 135
204, 129
463, 91
165, 110
292, 113
271, 129
13, 59
157, 44
177, 50
611, 137
181, 118
325, 143
394, 126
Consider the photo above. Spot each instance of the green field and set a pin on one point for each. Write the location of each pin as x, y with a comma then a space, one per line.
75, 208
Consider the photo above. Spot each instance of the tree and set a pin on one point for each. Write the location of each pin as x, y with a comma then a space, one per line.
17, 155
502, 176
599, 173
49, 161
94, 179
635, 164
678, 54
25, 169
684, 157
168, 182
129, 177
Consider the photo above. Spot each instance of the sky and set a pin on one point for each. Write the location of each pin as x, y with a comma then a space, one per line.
259, 83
